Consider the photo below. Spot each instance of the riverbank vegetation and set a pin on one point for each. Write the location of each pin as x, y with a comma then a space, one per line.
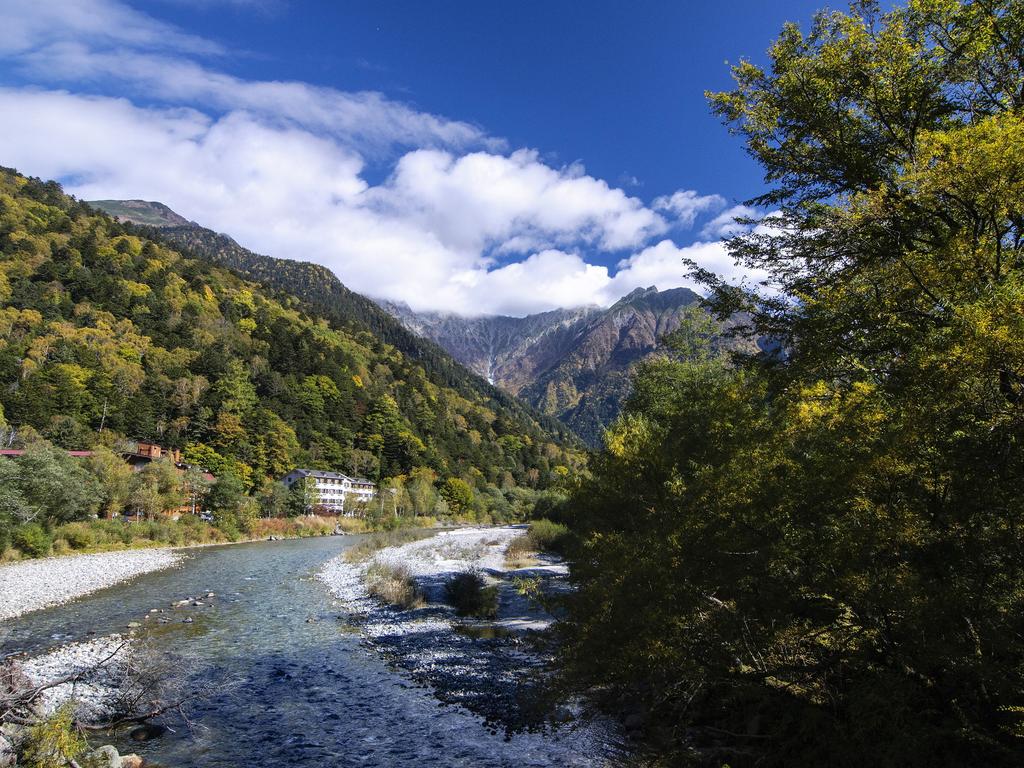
87, 536
470, 594
815, 557
393, 584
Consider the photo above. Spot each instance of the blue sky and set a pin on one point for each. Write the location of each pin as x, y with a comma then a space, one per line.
617, 85
465, 156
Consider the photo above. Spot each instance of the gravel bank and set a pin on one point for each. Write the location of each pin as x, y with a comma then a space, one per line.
36, 584
490, 667
102, 664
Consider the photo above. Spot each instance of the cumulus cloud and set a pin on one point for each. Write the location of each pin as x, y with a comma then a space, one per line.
726, 223
459, 223
686, 204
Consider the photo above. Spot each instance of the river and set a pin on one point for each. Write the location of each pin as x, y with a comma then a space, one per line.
305, 690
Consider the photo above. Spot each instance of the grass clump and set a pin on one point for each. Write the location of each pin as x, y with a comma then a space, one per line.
547, 536
470, 595
393, 584
542, 536
367, 547
521, 552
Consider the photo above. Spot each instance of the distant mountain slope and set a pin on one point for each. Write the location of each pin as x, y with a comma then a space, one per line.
509, 351
143, 212
108, 334
326, 295
573, 364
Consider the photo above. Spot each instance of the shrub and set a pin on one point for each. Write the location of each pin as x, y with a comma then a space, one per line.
546, 535
520, 552
470, 596
77, 535
33, 540
393, 584
53, 743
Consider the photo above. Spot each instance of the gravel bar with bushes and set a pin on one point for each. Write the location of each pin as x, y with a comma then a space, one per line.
461, 624
34, 584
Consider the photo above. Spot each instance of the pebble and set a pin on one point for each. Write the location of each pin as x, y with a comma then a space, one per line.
34, 584
96, 693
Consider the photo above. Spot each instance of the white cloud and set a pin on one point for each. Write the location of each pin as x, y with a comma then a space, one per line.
365, 120
281, 167
479, 199
725, 224
31, 24
686, 204
663, 265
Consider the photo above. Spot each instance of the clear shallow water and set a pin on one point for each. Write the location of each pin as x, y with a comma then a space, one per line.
304, 693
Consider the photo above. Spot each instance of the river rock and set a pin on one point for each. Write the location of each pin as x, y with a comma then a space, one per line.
133, 625
8, 757
148, 732
132, 761
33, 584
104, 757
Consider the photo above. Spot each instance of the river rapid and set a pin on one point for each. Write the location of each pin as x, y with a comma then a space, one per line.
304, 689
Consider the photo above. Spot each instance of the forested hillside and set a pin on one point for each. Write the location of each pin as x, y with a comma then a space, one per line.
106, 329
322, 291
818, 560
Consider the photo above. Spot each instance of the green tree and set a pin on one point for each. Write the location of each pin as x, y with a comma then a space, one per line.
817, 553
55, 487
114, 477
228, 502
421, 490
457, 494
275, 500
157, 488
13, 507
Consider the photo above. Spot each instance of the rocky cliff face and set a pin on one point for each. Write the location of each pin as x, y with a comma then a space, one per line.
574, 364
508, 351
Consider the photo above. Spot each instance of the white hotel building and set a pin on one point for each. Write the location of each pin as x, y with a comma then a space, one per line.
333, 491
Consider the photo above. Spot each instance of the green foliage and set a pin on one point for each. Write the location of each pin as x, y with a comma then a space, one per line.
114, 478
54, 742
55, 487
815, 558
276, 500
156, 488
546, 536
32, 539
470, 595
458, 494
228, 502
103, 324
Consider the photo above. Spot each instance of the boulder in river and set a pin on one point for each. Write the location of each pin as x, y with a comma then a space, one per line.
104, 757
148, 732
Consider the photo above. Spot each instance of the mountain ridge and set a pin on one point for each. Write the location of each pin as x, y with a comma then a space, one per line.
574, 364
571, 365
323, 291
